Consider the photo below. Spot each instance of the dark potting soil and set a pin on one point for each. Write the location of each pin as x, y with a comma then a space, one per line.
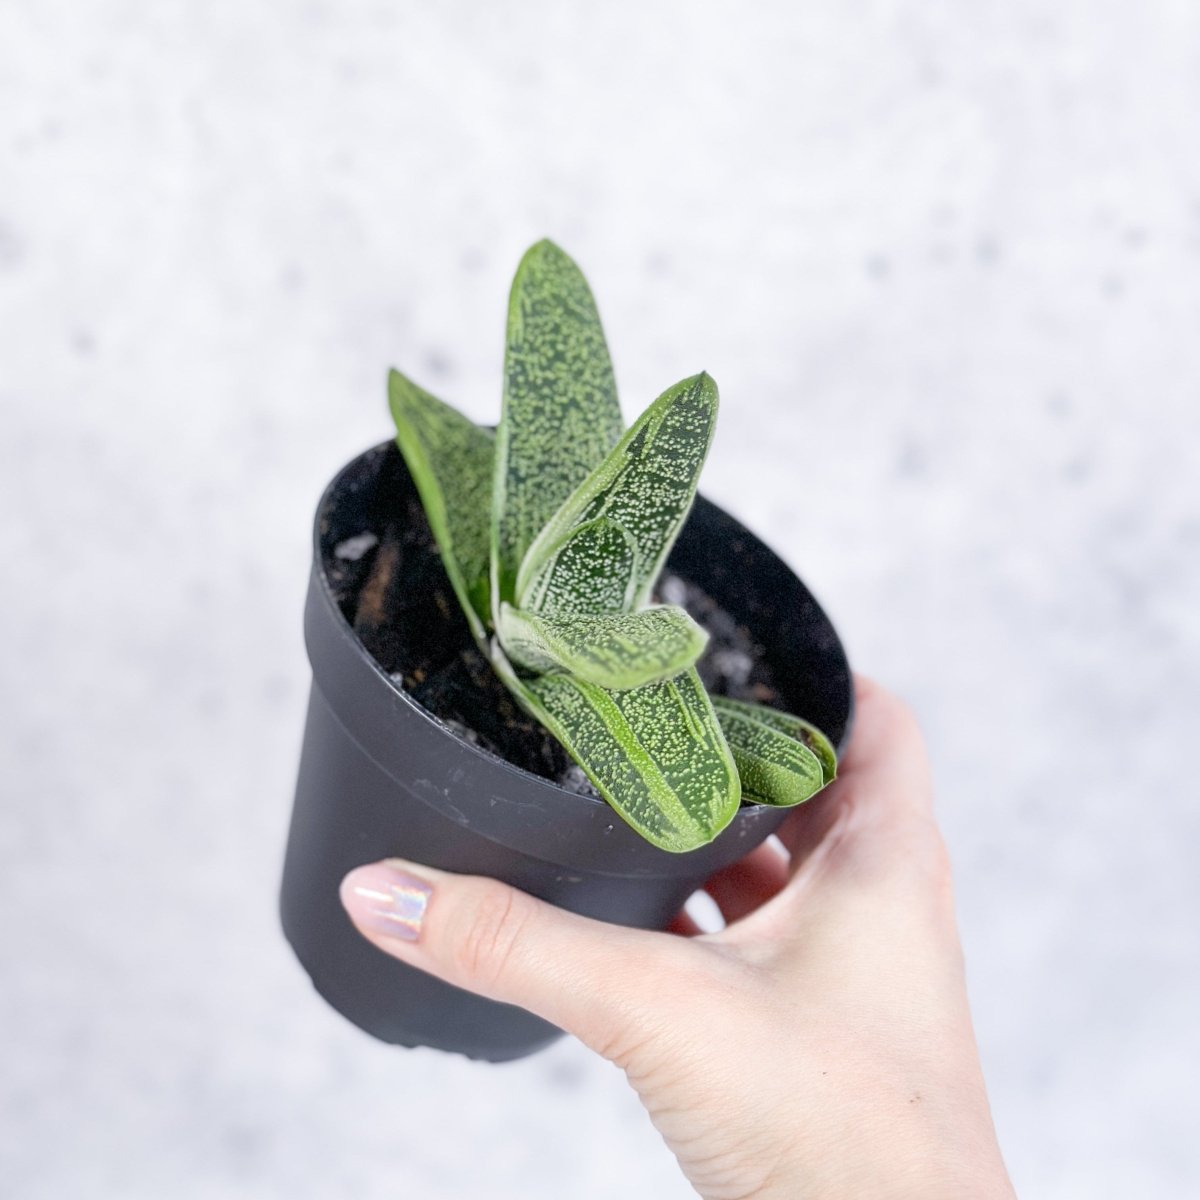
391, 586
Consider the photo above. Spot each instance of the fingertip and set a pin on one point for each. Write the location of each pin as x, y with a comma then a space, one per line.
872, 694
864, 686
885, 727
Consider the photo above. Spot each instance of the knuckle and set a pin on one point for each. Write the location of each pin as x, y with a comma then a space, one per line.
927, 868
903, 719
489, 932
889, 709
940, 872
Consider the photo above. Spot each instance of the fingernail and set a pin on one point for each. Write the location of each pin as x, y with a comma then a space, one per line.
383, 899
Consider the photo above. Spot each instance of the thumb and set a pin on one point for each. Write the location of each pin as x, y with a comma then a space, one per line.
595, 980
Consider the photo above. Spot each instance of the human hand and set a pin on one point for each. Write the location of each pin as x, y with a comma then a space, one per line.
818, 1046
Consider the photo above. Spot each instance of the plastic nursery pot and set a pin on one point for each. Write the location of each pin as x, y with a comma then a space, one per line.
381, 776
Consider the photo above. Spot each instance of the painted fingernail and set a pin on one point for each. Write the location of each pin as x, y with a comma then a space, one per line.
383, 899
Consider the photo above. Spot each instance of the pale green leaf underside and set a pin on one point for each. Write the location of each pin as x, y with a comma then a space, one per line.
801, 730
560, 415
646, 484
450, 460
774, 768
612, 650
590, 570
656, 753
781, 761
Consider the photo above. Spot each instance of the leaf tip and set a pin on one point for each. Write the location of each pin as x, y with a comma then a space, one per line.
399, 388
544, 253
706, 386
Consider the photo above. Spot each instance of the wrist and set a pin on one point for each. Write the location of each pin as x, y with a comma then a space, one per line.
893, 1179
896, 1159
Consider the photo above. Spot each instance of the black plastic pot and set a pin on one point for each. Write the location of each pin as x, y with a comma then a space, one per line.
381, 776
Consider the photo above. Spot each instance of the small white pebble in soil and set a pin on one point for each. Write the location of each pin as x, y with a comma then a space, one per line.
353, 548
673, 590
734, 665
574, 780
463, 730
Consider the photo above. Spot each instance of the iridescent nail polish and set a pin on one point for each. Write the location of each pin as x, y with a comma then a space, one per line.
385, 900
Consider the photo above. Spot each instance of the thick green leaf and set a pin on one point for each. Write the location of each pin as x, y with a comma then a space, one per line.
590, 570
647, 484
560, 415
612, 650
804, 733
774, 768
656, 754
450, 460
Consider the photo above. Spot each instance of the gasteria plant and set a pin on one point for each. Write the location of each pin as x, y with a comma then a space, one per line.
553, 531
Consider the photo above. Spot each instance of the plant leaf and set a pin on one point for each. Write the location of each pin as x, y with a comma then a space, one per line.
589, 570
450, 460
560, 415
774, 768
781, 759
647, 484
656, 753
617, 651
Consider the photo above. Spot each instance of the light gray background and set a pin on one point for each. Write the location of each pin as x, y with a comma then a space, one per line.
944, 261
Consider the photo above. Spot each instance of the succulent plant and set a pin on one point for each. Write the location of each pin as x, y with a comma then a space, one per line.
553, 531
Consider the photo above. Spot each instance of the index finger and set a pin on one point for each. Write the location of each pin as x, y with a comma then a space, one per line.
884, 774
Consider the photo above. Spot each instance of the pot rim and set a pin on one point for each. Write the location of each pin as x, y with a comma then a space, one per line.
747, 821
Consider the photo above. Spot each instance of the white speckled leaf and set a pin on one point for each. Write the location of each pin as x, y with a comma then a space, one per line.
612, 650
647, 484
656, 754
560, 415
590, 570
781, 759
450, 460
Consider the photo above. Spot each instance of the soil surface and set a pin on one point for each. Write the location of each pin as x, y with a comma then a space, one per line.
393, 589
